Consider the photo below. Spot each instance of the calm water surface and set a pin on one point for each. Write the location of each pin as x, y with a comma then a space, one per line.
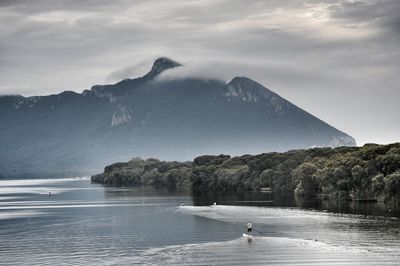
83, 223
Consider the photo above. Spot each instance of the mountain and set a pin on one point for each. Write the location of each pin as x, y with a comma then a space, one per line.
75, 134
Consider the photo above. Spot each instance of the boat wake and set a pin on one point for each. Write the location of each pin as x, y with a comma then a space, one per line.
347, 232
260, 251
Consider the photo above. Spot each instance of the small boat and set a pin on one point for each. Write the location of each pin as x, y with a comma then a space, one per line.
248, 237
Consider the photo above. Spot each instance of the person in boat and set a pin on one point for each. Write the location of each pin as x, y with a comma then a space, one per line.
249, 227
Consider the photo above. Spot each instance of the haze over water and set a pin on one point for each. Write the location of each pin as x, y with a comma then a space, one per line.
84, 223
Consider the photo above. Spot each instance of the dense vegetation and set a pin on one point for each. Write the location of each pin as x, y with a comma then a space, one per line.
146, 172
368, 172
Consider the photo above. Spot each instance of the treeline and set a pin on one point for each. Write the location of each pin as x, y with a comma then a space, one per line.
153, 172
368, 172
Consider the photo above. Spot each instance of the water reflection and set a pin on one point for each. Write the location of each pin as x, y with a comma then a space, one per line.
129, 192
252, 198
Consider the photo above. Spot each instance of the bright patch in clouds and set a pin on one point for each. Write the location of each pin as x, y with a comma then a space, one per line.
69, 17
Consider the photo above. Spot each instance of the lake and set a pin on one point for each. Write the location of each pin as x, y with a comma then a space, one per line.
82, 223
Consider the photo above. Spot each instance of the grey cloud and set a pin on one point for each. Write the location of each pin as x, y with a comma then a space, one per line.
318, 54
383, 14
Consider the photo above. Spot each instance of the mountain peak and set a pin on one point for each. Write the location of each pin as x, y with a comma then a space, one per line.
161, 64
247, 85
245, 82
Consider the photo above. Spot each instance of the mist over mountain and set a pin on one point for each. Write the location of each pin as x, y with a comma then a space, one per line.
176, 119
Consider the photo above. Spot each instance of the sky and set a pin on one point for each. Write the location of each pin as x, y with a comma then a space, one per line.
338, 60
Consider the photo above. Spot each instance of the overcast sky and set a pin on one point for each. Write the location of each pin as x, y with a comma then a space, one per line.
339, 60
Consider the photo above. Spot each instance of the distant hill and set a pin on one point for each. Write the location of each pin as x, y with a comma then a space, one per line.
77, 134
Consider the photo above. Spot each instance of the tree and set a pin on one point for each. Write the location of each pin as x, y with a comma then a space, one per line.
304, 175
392, 185
361, 183
388, 163
378, 184
266, 178
342, 180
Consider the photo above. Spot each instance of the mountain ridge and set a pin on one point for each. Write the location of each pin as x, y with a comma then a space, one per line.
78, 133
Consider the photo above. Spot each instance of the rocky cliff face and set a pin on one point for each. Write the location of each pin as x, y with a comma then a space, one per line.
75, 134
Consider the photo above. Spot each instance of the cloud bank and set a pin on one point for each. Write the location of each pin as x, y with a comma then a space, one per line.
338, 59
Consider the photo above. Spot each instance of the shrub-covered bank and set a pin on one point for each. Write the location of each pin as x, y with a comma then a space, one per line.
368, 172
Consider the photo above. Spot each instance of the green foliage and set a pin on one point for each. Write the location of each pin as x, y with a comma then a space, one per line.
146, 172
388, 163
352, 172
392, 184
378, 184
305, 178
